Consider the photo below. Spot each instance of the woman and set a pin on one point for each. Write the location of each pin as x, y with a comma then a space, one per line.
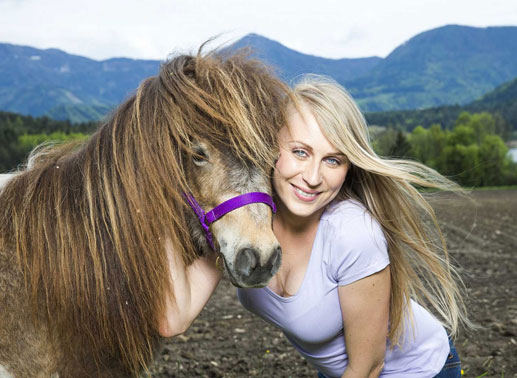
356, 251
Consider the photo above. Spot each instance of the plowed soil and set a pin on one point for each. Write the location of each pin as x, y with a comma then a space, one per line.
228, 341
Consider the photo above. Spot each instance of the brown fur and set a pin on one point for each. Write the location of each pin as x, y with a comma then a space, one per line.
83, 270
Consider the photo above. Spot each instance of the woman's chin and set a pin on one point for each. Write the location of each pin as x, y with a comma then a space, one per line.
303, 210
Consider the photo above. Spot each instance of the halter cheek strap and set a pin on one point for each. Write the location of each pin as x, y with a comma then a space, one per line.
224, 208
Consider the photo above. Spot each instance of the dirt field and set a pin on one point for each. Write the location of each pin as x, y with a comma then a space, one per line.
227, 341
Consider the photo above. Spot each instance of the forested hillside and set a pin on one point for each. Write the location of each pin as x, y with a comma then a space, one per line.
444, 66
447, 65
20, 134
51, 82
501, 103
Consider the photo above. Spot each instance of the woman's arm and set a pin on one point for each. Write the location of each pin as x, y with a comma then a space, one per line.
365, 307
192, 287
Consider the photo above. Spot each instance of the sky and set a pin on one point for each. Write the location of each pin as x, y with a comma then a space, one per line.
152, 29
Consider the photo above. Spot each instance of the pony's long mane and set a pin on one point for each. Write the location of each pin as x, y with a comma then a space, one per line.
87, 221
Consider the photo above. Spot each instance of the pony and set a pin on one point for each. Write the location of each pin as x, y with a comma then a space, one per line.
84, 275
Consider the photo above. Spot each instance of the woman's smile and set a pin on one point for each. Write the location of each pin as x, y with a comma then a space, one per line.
305, 194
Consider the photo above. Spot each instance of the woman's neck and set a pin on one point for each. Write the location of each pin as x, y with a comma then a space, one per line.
286, 221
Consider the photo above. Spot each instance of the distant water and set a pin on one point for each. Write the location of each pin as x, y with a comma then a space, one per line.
513, 154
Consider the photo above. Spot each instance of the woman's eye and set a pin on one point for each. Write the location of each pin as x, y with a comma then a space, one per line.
333, 161
300, 153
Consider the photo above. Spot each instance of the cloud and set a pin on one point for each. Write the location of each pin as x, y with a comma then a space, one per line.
154, 28
14, 3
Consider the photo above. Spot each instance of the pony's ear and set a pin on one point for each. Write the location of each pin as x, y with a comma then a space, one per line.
189, 68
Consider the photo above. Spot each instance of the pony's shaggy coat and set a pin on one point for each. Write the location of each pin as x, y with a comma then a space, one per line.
83, 270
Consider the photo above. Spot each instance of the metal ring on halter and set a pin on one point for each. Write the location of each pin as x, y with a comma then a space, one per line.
219, 264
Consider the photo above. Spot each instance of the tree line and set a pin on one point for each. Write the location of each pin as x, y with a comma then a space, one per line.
20, 134
446, 117
471, 153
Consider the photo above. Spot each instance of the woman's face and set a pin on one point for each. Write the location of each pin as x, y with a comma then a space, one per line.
310, 171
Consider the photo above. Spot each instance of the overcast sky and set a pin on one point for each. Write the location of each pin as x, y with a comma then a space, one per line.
151, 29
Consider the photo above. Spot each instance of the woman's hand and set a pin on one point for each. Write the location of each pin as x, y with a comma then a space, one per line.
192, 286
365, 306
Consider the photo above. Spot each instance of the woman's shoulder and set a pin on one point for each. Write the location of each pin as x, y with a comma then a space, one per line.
337, 208
356, 245
350, 221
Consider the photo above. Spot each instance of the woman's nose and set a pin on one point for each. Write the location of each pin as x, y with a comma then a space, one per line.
312, 174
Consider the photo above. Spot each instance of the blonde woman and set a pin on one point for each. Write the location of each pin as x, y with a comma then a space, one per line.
358, 261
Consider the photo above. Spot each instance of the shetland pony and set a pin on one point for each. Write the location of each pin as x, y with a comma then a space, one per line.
84, 275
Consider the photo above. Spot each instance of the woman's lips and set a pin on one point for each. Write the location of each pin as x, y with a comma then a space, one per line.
306, 196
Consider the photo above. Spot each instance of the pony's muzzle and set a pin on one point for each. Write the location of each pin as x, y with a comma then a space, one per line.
250, 272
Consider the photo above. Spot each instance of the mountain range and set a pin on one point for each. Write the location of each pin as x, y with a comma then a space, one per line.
501, 102
51, 82
448, 65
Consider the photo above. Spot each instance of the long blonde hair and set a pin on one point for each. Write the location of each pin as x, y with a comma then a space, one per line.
87, 221
419, 261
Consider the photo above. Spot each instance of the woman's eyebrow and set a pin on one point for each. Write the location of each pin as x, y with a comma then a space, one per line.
306, 146
299, 143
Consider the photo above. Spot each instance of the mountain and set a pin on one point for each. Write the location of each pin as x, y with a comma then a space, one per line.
503, 96
64, 86
502, 101
79, 113
448, 65
38, 82
290, 64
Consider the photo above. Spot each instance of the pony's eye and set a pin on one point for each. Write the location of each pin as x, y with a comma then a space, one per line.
200, 157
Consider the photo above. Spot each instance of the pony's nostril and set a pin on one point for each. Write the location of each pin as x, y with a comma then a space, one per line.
246, 261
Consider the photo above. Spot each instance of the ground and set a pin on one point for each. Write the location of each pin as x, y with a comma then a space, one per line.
227, 341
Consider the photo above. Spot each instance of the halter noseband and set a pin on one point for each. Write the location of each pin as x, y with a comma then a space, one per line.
224, 208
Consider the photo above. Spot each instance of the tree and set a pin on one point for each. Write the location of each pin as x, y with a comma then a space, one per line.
461, 164
427, 144
10, 155
401, 147
462, 134
481, 124
385, 141
502, 127
493, 158
420, 146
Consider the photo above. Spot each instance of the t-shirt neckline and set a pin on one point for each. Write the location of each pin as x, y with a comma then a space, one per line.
306, 275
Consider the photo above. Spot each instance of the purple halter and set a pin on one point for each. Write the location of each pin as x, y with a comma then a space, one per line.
224, 208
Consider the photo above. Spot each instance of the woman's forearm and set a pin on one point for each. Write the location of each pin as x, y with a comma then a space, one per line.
372, 370
192, 287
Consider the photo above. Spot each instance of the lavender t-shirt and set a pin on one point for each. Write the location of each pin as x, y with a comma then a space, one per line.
349, 245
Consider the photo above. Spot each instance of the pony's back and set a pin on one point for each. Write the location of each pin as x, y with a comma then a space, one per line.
24, 345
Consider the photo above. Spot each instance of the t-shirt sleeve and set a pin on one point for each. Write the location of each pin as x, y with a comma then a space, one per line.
358, 249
